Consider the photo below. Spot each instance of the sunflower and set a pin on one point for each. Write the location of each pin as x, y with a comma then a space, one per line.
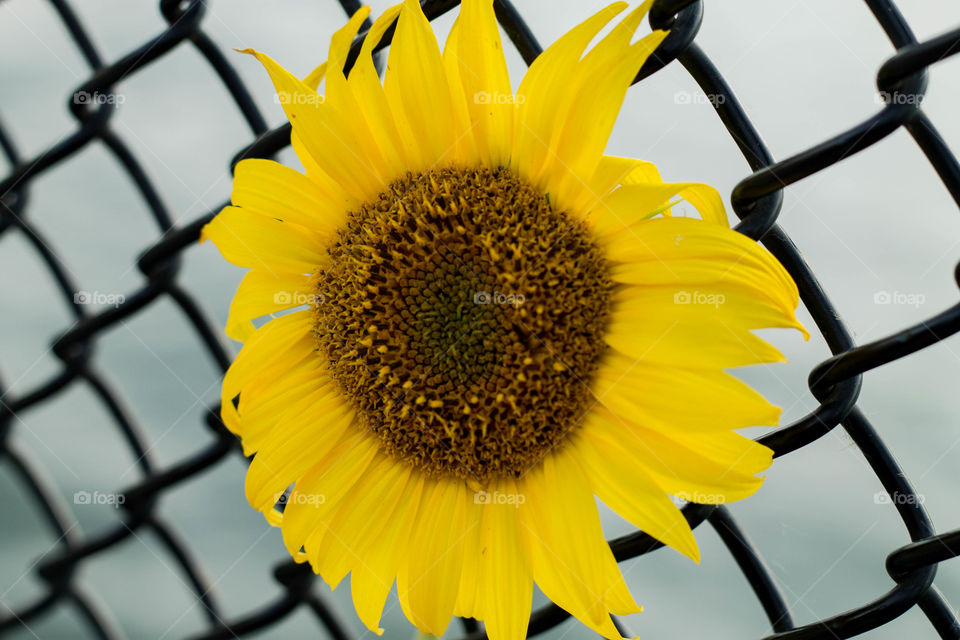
478, 323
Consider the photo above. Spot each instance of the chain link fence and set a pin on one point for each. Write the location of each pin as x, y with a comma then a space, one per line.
757, 200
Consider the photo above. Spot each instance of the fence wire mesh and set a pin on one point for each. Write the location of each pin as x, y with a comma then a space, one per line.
757, 199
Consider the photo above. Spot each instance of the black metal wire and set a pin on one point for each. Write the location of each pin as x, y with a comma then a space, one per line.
757, 200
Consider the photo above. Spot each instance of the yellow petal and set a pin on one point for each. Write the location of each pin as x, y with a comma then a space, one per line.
323, 490
417, 91
572, 563
283, 193
295, 448
253, 240
692, 284
477, 69
562, 134
542, 88
505, 581
348, 104
624, 487
587, 111
610, 173
347, 201
694, 336
356, 525
372, 102
315, 174
468, 604
262, 293
677, 398
266, 346
642, 173
331, 136
678, 250
315, 77
276, 394
371, 581
464, 149
428, 581
340, 49
618, 213
710, 468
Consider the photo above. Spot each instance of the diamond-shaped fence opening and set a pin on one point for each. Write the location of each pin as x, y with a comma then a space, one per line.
756, 200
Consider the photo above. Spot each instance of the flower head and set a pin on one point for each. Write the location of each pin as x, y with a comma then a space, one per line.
492, 322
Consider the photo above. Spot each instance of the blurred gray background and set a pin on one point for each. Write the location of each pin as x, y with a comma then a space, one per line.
878, 228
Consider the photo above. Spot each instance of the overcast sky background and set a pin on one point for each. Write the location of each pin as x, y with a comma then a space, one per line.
878, 223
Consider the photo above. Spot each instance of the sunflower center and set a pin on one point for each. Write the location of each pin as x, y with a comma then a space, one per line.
463, 317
